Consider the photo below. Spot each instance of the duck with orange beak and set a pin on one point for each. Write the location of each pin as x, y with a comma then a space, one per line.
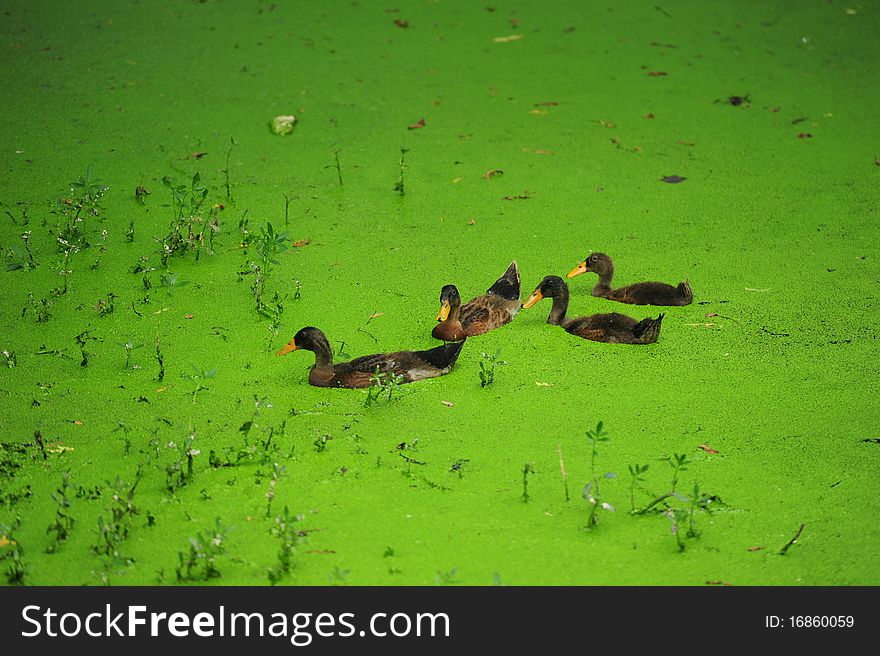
611, 328
497, 307
360, 372
641, 293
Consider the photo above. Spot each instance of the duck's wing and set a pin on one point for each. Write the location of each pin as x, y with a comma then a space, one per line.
647, 293
486, 313
613, 327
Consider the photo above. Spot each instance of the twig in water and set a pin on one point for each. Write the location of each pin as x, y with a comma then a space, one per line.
792, 541
562, 469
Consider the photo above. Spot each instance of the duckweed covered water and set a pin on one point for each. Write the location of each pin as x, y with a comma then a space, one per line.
530, 133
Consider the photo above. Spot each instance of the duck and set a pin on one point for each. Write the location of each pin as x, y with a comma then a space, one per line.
641, 293
612, 328
361, 372
498, 306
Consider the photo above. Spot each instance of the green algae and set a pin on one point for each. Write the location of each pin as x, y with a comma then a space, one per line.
772, 368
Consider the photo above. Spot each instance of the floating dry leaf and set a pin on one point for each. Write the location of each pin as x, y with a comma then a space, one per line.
754, 289
540, 384
448, 404
491, 173
4, 541
543, 152
755, 548
657, 73
506, 39
417, 126
187, 316
401, 23
76, 422
673, 179
299, 243
550, 103
718, 583
805, 135
58, 448
198, 155
457, 180
708, 449
470, 222
712, 314
537, 112
649, 115
526, 195
376, 315
702, 325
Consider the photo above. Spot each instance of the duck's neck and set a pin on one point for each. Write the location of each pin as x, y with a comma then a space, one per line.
603, 287
560, 307
452, 317
323, 357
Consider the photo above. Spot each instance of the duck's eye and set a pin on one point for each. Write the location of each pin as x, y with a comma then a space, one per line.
594, 258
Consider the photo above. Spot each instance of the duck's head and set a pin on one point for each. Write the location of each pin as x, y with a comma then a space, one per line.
449, 300
597, 262
309, 339
550, 287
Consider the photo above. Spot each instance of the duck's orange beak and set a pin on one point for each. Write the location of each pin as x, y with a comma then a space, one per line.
444, 311
287, 348
578, 270
534, 298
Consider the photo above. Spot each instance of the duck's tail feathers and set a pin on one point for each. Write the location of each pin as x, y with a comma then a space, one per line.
648, 330
442, 357
507, 286
684, 288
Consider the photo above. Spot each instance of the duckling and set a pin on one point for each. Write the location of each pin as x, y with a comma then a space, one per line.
493, 309
412, 365
612, 328
641, 293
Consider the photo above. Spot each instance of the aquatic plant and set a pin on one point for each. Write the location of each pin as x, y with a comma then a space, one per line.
106, 306
232, 144
277, 472
21, 259
179, 471
113, 528
635, 478
685, 517
528, 468
382, 384
41, 309
12, 553
270, 245
399, 186
82, 341
186, 231
591, 490
679, 463
64, 521
83, 200
487, 367
198, 376
285, 530
160, 360
199, 562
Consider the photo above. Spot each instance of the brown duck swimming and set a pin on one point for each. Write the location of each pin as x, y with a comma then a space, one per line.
493, 309
612, 328
641, 293
412, 365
